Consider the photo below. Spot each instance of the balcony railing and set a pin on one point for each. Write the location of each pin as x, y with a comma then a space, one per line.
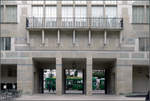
66, 22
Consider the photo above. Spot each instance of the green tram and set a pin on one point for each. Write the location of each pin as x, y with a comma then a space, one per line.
75, 83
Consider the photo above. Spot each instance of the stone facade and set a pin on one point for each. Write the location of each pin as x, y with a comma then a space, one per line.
121, 46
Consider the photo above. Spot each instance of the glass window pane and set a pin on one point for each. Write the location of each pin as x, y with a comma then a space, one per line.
51, 2
37, 2
67, 2
97, 2
2, 43
51, 14
7, 43
67, 11
144, 44
51, 11
148, 14
138, 14
97, 11
80, 11
111, 11
11, 13
147, 44
80, 2
111, 2
67, 15
1, 14
37, 11
141, 44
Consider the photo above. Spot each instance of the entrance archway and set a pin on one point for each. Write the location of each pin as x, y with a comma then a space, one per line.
74, 75
45, 75
103, 80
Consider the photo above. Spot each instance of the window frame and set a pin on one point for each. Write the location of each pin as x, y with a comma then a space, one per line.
36, 6
81, 15
5, 19
145, 46
5, 40
97, 6
2, 14
145, 15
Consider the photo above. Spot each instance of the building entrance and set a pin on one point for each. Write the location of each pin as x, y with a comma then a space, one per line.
45, 75
103, 80
74, 76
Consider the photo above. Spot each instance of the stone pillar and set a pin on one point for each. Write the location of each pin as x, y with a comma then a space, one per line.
59, 76
124, 79
25, 77
89, 76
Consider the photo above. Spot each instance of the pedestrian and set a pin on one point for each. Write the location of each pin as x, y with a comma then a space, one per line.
53, 88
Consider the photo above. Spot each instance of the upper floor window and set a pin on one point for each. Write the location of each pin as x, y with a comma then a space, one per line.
144, 44
111, 1
97, 11
51, 11
1, 14
37, 11
67, 2
37, 1
80, 11
97, 2
80, 2
138, 14
148, 14
111, 11
11, 13
51, 2
5, 43
67, 11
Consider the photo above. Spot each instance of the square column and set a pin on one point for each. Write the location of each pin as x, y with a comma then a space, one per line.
89, 76
25, 78
124, 79
59, 76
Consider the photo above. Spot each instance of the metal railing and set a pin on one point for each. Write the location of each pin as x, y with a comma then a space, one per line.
73, 22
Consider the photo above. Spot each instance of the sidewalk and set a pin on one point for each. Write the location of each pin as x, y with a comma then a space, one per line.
47, 97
